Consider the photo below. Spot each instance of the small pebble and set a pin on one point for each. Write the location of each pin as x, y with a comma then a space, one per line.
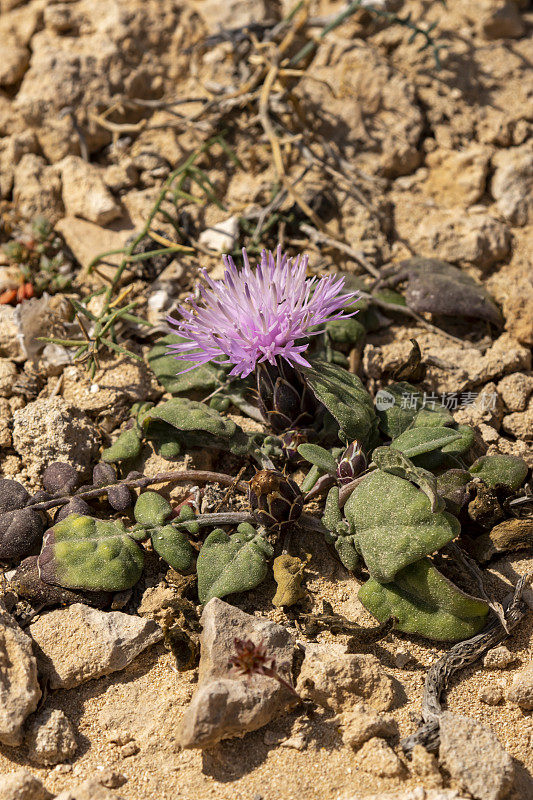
499, 658
130, 749
491, 695
402, 658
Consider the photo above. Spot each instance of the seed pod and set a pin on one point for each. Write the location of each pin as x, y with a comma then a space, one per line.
119, 497
276, 501
351, 463
13, 495
60, 478
103, 474
20, 531
285, 400
75, 506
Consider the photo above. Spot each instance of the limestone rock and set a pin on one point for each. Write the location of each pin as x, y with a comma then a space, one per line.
14, 62
51, 738
512, 183
85, 193
477, 237
498, 658
19, 687
86, 239
22, 785
514, 390
221, 237
521, 689
474, 757
37, 188
363, 723
226, 705
99, 643
91, 789
520, 424
335, 679
74, 439
457, 177
486, 408
377, 757
8, 374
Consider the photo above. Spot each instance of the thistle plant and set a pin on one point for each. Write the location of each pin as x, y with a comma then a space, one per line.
260, 320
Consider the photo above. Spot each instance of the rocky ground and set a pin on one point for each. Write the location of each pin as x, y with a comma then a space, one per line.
387, 156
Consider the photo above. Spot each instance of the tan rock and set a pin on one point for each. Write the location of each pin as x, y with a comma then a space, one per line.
515, 390
491, 695
14, 61
85, 194
363, 723
521, 689
5, 423
8, 374
87, 240
37, 188
501, 20
91, 789
512, 183
426, 766
457, 177
50, 738
335, 679
520, 424
22, 785
378, 758
498, 658
19, 686
100, 642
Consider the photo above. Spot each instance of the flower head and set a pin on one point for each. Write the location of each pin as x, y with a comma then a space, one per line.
255, 315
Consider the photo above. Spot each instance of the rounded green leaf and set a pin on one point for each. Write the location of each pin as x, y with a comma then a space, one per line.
228, 564
425, 602
128, 445
318, 456
345, 331
394, 525
81, 552
174, 547
203, 378
500, 470
152, 509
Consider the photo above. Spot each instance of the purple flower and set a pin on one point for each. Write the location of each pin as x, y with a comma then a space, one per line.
255, 315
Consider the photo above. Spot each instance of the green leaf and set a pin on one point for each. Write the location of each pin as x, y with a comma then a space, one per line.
174, 547
128, 445
151, 508
415, 443
463, 443
318, 456
198, 426
397, 406
395, 462
393, 524
85, 553
451, 486
228, 564
345, 397
345, 331
166, 368
425, 602
428, 417
500, 470
338, 533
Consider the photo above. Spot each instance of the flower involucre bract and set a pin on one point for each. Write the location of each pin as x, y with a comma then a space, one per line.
254, 315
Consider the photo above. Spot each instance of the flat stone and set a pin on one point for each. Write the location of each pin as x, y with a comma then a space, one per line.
19, 686
474, 757
521, 689
225, 704
51, 738
85, 194
458, 177
335, 679
22, 785
99, 643
86, 240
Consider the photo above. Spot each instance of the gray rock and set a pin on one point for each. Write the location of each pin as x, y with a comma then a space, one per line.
222, 623
19, 687
363, 723
51, 738
474, 757
335, 679
99, 643
22, 785
226, 705
521, 689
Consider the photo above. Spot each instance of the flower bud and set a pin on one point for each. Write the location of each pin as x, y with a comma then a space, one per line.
290, 441
276, 501
285, 401
351, 463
